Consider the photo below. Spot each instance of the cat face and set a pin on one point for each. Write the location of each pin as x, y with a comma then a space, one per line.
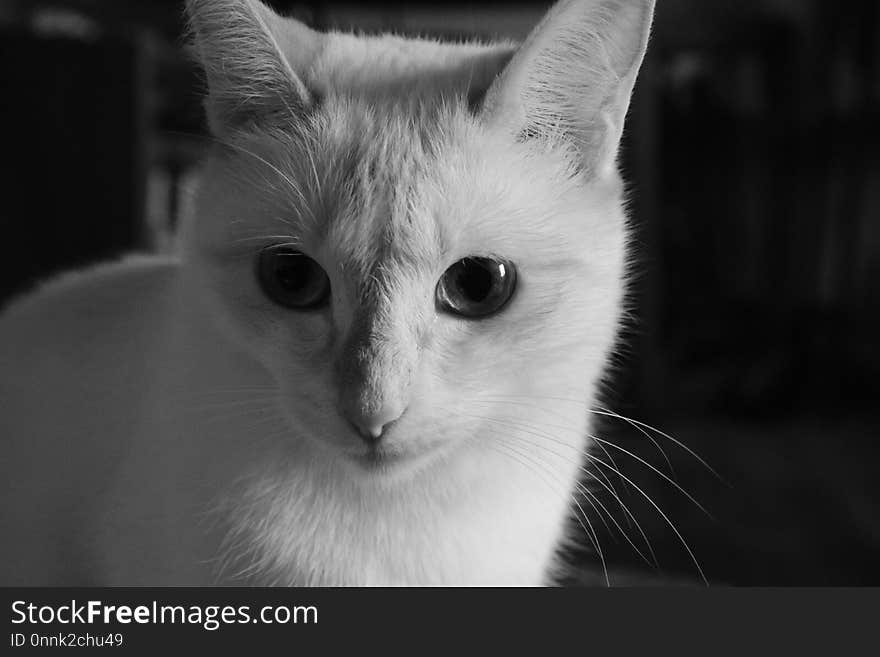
417, 276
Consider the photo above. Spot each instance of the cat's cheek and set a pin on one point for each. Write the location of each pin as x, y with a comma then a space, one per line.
285, 342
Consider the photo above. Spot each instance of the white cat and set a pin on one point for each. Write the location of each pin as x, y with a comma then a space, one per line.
373, 360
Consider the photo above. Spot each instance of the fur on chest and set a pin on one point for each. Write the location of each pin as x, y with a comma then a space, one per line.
310, 527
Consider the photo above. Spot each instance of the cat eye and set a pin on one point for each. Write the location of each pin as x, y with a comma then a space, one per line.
476, 287
292, 279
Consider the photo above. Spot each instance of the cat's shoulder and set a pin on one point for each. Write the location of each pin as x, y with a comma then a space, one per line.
105, 292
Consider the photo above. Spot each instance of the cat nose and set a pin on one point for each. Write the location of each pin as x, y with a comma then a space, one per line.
371, 426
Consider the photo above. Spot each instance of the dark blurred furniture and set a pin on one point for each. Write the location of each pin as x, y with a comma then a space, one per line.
73, 171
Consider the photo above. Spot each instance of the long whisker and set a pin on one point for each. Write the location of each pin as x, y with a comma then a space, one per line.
648, 465
671, 439
665, 518
548, 468
587, 492
314, 171
291, 184
564, 428
519, 426
651, 439
506, 449
613, 462
627, 514
650, 501
232, 403
544, 436
290, 240
287, 179
237, 389
522, 399
223, 413
577, 484
611, 489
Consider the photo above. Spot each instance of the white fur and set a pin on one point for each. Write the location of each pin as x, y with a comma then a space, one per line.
165, 423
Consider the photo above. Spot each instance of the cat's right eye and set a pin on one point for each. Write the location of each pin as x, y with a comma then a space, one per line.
292, 279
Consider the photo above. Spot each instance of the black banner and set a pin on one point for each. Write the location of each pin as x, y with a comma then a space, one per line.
712, 621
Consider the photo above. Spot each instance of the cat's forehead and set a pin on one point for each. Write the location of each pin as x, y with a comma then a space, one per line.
371, 176
390, 67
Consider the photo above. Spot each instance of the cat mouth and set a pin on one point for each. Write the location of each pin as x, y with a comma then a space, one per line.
379, 460
375, 459
391, 455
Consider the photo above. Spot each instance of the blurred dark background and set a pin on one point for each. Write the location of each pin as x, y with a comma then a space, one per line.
753, 157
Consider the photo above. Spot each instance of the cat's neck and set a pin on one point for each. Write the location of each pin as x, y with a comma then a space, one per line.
470, 518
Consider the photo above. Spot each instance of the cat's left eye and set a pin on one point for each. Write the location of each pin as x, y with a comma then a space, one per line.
292, 279
476, 287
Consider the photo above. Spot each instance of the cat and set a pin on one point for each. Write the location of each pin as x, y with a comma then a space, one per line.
372, 358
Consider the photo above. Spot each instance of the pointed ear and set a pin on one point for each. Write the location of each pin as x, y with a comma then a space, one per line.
254, 61
573, 76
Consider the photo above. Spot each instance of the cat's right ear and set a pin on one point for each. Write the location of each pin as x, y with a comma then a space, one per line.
572, 78
254, 61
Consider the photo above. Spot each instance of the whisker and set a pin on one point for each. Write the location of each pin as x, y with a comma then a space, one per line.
526, 400
648, 465
652, 440
626, 514
610, 488
543, 435
237, 401
291, 184
224, 411
578, 485
671, 439
665, 518
548, 437
510, 453
649, 500
588, 492
262, 414
613, 462
314, 171
291, 241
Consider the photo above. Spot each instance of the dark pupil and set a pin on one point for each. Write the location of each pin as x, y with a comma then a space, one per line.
293, 271
473, 281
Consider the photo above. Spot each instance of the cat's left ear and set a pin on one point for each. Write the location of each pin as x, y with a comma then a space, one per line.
573, 76
254, 61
